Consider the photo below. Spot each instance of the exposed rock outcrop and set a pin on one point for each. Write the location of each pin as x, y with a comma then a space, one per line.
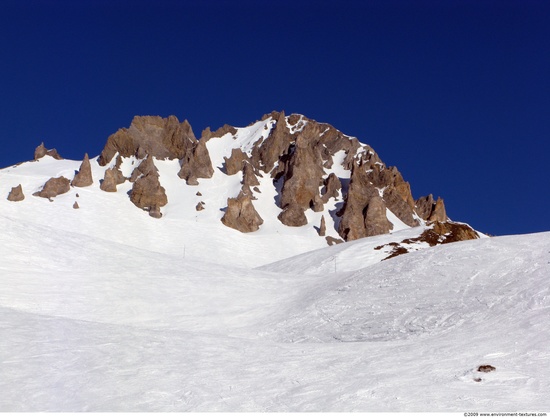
312, 166
249, 177
150, 135
16, 194
109, 182
376, 221
148, 194
297, 151
373, 180
41, 151
196, 164
235, 162
424, 206
241, 215
438, 213
293, 215
439, 233
360, 192
394, 190
84, 176
429, 210
277, 144
322, 227
332, 185
207, 133
75, 205
54, 187
447, 232
144, 168
302, 178
161, 138
333, 241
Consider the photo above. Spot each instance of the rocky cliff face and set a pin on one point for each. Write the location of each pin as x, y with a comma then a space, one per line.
311, 165
300, 155
161, 138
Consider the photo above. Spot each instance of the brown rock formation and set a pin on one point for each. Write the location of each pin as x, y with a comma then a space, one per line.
424, 206
241, 215
221, 132
196, 164
369, 180
249, 177
277, 144
448, 232
376, 222
429, 210
120, 142
109, 182
145, 167
333, 241
41, 151
148, 194
296, 152
302, 177
438, 213
119, 177
235, 162
84, 176
200, 206
361, 191
54, 187
153, 135
161, 138
332, 185
322, 227
399, 207
317, 205
293, 215
75, 205
396, 192
439, 233
16, 194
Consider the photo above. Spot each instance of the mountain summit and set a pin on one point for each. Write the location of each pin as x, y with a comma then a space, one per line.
281, 173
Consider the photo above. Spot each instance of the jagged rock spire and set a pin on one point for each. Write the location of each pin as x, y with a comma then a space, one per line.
84, 176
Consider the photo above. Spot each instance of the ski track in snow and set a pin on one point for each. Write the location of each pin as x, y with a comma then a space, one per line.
106, 309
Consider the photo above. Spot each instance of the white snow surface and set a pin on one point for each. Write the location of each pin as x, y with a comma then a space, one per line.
107, 309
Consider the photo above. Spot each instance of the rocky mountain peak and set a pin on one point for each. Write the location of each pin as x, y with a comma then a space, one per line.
281, 172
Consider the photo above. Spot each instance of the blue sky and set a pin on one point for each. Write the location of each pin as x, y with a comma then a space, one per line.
456, 94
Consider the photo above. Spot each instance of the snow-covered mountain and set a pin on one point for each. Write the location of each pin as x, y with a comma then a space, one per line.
289, 183
105, 308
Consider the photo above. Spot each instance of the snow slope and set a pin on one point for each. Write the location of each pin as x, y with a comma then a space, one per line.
181, 231
104, 313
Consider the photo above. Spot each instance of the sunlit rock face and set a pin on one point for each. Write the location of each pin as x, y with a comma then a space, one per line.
54, 187
84, 176
16, 194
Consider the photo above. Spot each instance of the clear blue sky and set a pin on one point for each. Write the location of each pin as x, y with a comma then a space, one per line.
456, 94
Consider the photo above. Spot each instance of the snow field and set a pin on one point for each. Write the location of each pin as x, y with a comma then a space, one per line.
88, 324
